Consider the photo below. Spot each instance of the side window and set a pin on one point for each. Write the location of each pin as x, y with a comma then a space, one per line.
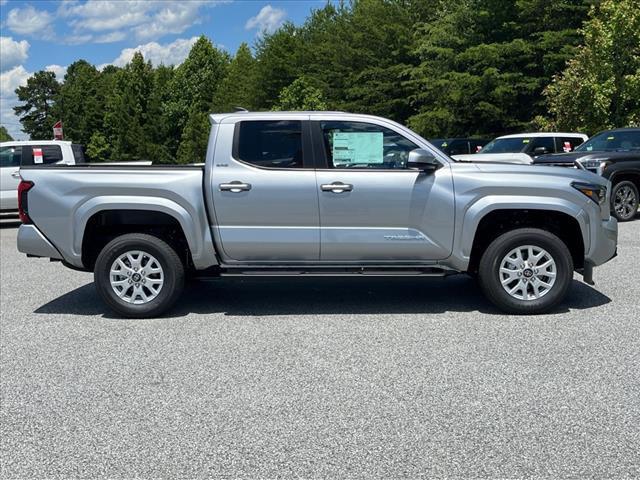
10, 156
568, 144
364, 145
78, 153
458, 147
545, 143
271, 144
41, 154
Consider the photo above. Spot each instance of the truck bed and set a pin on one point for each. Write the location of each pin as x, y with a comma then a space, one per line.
71, 195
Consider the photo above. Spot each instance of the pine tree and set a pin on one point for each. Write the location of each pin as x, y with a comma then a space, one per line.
238, 88
4, 135
36, 112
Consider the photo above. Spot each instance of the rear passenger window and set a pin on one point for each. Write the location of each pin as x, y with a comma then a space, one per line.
568, 144
272, 144
41, 154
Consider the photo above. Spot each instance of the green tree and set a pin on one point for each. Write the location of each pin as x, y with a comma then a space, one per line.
194, 83
300, 95
36, 111
239, 85
484, 63
600, 87
98, 148
4, 135
193, 144
81, 101
127, 111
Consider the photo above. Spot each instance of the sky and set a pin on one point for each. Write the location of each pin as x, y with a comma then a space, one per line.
49, 35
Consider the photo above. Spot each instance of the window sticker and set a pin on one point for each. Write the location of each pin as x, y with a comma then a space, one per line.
37, 155
357, 148
525, 140
610, 138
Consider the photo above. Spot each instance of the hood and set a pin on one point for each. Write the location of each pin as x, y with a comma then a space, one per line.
568, 173
521, 158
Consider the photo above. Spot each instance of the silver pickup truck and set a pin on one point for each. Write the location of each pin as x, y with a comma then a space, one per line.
318, 193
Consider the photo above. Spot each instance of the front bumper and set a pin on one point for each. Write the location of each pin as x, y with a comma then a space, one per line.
604, 242
33, 243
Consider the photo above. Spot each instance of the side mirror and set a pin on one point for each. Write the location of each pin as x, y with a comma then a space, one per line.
540, 150
422, 160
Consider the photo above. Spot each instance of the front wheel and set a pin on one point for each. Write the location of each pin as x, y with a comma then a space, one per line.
139, 275
624, 201
526, 271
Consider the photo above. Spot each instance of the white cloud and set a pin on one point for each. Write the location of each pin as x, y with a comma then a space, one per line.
12, 79
144, 19
59, 70
267, 20
29, 21
172, 53
12, 53
9, 81
111, 37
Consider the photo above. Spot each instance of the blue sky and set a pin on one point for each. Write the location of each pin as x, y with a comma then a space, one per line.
44, 34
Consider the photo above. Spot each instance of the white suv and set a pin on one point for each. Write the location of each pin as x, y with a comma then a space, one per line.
13, 154
523, 147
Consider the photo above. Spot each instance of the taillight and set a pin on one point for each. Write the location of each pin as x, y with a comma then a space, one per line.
23, 201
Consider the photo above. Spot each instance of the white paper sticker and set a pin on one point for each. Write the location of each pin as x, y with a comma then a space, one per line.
357, 148
37, 155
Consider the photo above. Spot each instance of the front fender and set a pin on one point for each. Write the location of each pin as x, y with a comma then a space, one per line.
474, 213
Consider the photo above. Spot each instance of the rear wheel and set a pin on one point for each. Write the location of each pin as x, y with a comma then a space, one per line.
139, 275
624, 201
526, 271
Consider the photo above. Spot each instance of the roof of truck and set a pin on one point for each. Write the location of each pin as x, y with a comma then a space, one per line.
219, 117
34, 142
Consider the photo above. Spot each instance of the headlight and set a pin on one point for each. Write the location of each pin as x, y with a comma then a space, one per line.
598, 164
597, 193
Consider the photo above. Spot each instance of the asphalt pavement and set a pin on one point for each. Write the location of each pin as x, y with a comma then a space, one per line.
318, 378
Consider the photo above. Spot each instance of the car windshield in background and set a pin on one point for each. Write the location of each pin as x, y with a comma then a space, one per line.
506, 145
611, 141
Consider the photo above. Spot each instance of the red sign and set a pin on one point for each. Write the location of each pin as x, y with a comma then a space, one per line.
567, 147
37, 155
57, 130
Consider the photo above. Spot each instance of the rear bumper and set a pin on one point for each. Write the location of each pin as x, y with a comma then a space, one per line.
604, 241
32, 242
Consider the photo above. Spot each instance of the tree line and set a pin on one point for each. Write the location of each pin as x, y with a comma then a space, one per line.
446, 69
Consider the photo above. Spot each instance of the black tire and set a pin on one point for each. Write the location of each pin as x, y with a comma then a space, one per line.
624, 209
172, 270
490, 278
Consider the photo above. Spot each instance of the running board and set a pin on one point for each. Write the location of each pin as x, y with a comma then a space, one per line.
334, 272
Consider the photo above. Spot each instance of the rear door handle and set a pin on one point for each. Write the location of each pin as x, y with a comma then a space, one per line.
235, 187
16, 174
336, 187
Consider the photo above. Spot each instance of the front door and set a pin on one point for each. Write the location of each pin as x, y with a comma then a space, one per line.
372, 207
264, 193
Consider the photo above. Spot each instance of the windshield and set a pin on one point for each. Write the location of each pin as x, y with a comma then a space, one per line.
610, 141
506, 145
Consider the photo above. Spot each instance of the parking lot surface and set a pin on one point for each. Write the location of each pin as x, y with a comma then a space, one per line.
334, 378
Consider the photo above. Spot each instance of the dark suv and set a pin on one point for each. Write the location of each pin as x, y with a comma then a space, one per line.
614, 154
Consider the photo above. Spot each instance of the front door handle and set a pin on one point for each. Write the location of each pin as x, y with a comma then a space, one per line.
235, 187
336, 187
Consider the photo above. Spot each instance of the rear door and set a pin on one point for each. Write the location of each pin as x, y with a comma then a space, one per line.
372, 207
264, 192
9, 177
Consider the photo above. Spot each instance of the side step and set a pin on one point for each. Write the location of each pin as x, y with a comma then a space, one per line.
373, 271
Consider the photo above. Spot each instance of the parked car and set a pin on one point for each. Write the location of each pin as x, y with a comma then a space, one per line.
16, 153
459, 146
524, 147
318, 193
614, 154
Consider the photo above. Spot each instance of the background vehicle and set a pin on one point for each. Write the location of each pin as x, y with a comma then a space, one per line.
459, 146
614, 154
318, 193
16, 153
523, 147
